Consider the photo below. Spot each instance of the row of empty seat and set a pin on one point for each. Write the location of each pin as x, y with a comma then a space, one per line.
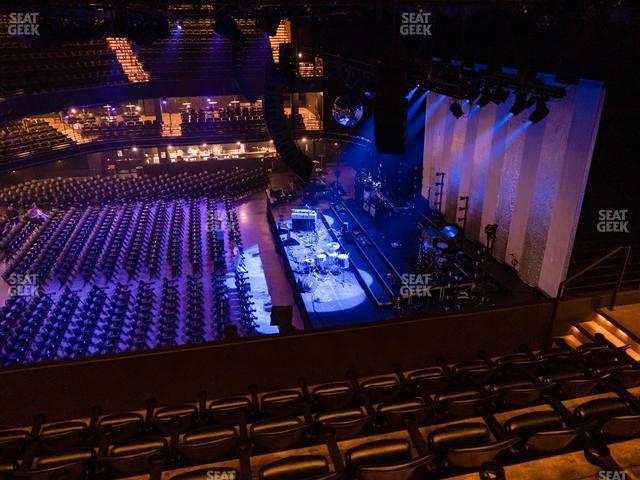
20, 138
57, 67
128, 129
111, 277
433, 422
223, 119
83, 191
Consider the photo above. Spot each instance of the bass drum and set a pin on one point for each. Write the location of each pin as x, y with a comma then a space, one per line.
309, 284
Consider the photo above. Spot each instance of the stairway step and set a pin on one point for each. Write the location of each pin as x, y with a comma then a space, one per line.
575, 338
612, 334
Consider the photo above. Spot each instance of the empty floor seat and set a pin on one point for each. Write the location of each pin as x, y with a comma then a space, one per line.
64, 436
70, 465
130, 457
458, 435
120, 426
387, 460
332, 396
544, 432
303, 467
208, 444
281, 403
428, 381
616, 419
345, 423
13, 444
176, 418
415, 408
278, 434
381, 389
229, 411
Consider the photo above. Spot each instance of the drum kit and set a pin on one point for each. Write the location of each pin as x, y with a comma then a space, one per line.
437, 252
322, 264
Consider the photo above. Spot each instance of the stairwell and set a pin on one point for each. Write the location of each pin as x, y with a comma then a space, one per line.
602, 323
131, 65
593, 245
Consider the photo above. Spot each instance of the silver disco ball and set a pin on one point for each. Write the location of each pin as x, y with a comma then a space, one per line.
347, 110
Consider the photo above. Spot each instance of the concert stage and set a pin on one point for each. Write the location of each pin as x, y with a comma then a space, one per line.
382, 252
332, 282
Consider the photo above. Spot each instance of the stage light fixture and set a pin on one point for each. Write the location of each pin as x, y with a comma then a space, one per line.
499, 95
456, 109
485, 98
521, 103
540, 112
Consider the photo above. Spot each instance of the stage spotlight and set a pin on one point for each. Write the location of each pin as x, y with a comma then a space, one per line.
368, 94
540, 112
519, 104
484, 99
456, 109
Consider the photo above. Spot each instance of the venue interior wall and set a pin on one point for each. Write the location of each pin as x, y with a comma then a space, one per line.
528, 178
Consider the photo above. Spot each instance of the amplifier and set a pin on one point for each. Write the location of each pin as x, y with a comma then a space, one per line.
303, 219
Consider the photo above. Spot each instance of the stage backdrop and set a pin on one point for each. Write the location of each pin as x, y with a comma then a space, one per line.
527, 178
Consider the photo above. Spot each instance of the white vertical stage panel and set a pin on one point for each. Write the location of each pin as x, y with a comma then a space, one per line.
573, 180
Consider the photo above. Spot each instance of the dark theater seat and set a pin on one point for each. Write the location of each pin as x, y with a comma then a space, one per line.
615, 418
345, 423
208, 444
387, 460
306, 467
332, 396
71, 465
131, 457
544, 432
279, 434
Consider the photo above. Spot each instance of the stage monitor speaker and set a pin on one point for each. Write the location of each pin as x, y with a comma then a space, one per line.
390, 108
344, 231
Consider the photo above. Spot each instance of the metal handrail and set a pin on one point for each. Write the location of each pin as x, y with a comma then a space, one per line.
565, 282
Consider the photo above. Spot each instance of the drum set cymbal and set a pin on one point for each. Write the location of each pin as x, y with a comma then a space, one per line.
449, 231
333, 247
321, 264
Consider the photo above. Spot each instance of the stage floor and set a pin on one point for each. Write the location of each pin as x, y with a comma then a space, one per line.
335, 296
402, 227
